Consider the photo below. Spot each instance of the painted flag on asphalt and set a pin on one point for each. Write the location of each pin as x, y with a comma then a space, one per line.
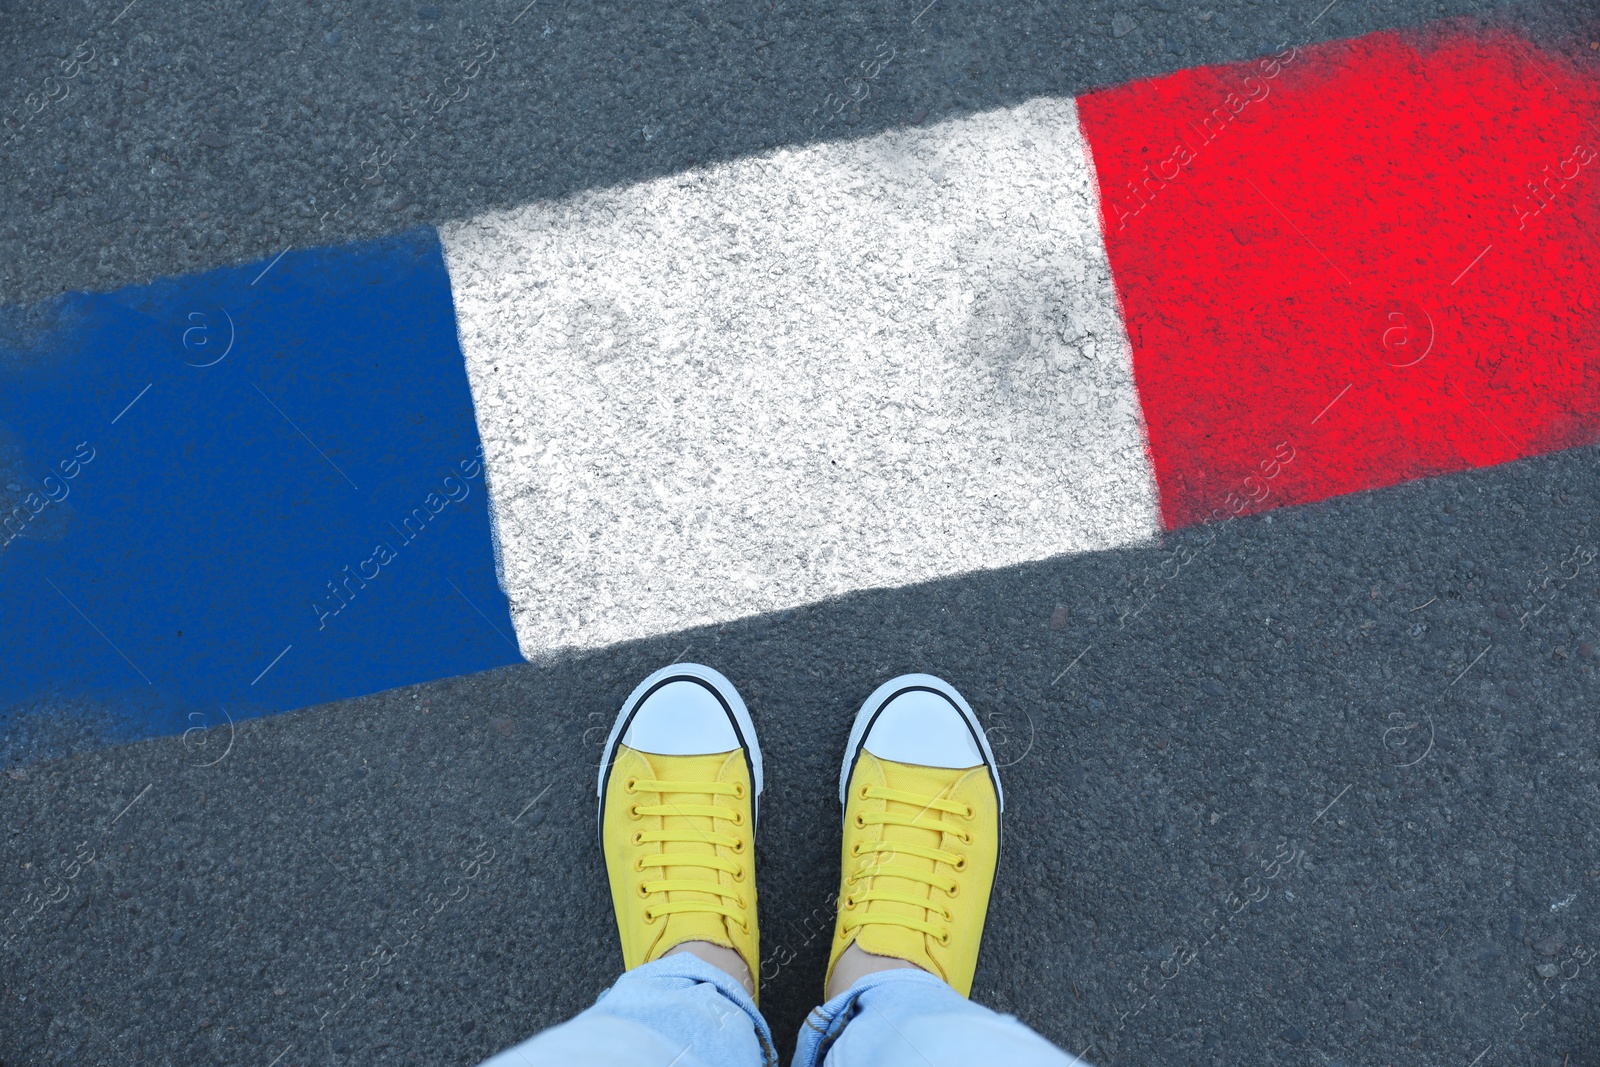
1060, 327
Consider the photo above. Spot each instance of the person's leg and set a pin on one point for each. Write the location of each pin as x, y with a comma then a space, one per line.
922, 804
679, 782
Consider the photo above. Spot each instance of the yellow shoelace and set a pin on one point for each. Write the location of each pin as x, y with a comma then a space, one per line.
870, 871
689, 834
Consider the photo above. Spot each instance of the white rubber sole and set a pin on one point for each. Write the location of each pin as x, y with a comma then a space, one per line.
881, 696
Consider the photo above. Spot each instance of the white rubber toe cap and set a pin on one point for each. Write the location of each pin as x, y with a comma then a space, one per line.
682, 718
684, 709
923, 728
919, 719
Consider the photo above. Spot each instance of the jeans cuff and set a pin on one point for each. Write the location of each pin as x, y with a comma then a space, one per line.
824, 1025
688, 966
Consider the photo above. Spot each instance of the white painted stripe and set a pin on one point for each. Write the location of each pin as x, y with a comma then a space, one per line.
853, 365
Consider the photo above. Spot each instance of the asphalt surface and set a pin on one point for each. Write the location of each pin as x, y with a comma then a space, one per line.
1323, 800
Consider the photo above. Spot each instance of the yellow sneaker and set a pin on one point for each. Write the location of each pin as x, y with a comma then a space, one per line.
680, 781
922, 807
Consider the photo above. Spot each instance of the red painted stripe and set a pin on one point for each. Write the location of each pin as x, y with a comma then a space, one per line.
1401, 226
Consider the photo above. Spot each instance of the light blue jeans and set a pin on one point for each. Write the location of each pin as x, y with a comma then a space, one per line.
682, 1012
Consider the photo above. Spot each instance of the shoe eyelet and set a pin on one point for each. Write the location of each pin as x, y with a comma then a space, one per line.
954, 891
745, 927
849, 903
738, 847
627, 787
738, 790
742, 904
966, 839
947, 916
960, 864
862, 792
855, 849
738, 876
650, 916
971, 813
643, 892
944, 942
638, 865
861, 824
638, 837
633, 812
738, 818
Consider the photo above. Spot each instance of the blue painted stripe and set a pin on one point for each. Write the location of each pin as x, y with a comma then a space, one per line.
238, 493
